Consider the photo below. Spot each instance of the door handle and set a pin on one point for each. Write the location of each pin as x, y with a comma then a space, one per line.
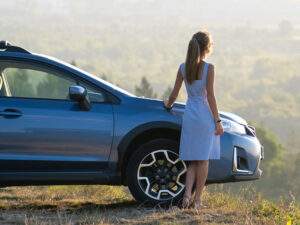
10, 113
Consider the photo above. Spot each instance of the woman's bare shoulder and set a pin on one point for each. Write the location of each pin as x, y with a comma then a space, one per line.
211, 65
182, 68
211, 68
182, 65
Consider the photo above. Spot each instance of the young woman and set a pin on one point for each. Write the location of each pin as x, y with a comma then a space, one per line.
201, 124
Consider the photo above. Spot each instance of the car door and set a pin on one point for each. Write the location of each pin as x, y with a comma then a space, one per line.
41, 129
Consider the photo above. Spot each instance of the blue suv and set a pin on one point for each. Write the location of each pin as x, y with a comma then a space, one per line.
62, 125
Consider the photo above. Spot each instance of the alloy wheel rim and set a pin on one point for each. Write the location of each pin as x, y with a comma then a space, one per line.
160, 174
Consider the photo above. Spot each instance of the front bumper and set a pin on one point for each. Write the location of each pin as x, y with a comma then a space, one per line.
244, 171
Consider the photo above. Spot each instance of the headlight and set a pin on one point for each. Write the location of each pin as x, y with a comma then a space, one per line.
233, 127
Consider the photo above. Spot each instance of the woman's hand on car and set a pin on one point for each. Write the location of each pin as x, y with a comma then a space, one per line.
219, 129
166, 104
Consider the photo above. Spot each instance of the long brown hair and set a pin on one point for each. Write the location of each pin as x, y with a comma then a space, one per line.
198, 47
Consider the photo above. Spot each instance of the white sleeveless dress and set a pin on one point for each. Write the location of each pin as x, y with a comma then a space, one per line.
198, 140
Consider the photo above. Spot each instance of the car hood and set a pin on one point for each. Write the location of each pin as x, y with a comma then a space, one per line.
178, 107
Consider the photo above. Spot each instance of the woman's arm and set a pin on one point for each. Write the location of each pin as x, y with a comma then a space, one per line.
212, 100
211, 93
169, 102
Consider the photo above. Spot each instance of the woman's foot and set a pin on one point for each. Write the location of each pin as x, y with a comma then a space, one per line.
186, 201
197, 205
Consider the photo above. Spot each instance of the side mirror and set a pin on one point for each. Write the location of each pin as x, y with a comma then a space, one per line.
79, 94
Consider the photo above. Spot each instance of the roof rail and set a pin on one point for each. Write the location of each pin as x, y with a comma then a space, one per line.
6, 46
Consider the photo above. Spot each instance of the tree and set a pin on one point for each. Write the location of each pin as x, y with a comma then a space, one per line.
145, 89
20, 83
74, 63
285, 28
273, 151
167, 93
54, 87
104, 77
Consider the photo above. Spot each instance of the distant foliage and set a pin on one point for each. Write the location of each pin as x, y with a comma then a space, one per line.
145, 89
73, 62
104, 77
167, 92
285, 28
54, 87
276, 173
273, 151
36, 84
280, 171
20, 83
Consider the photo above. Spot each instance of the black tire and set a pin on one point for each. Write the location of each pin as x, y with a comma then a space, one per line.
158, 147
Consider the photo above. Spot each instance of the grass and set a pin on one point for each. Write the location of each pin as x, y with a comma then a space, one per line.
70, 205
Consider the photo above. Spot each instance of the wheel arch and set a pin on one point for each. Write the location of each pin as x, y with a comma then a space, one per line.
140, 135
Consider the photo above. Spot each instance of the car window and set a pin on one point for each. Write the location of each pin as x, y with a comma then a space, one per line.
36, 83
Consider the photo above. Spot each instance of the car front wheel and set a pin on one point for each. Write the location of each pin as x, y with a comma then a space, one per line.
155, 174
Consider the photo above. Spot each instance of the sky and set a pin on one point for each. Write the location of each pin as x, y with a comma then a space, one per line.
260, 13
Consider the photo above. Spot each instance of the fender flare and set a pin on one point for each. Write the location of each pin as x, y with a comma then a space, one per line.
132, 134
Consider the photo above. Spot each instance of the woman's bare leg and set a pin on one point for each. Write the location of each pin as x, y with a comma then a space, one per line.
189, 181
201, 175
